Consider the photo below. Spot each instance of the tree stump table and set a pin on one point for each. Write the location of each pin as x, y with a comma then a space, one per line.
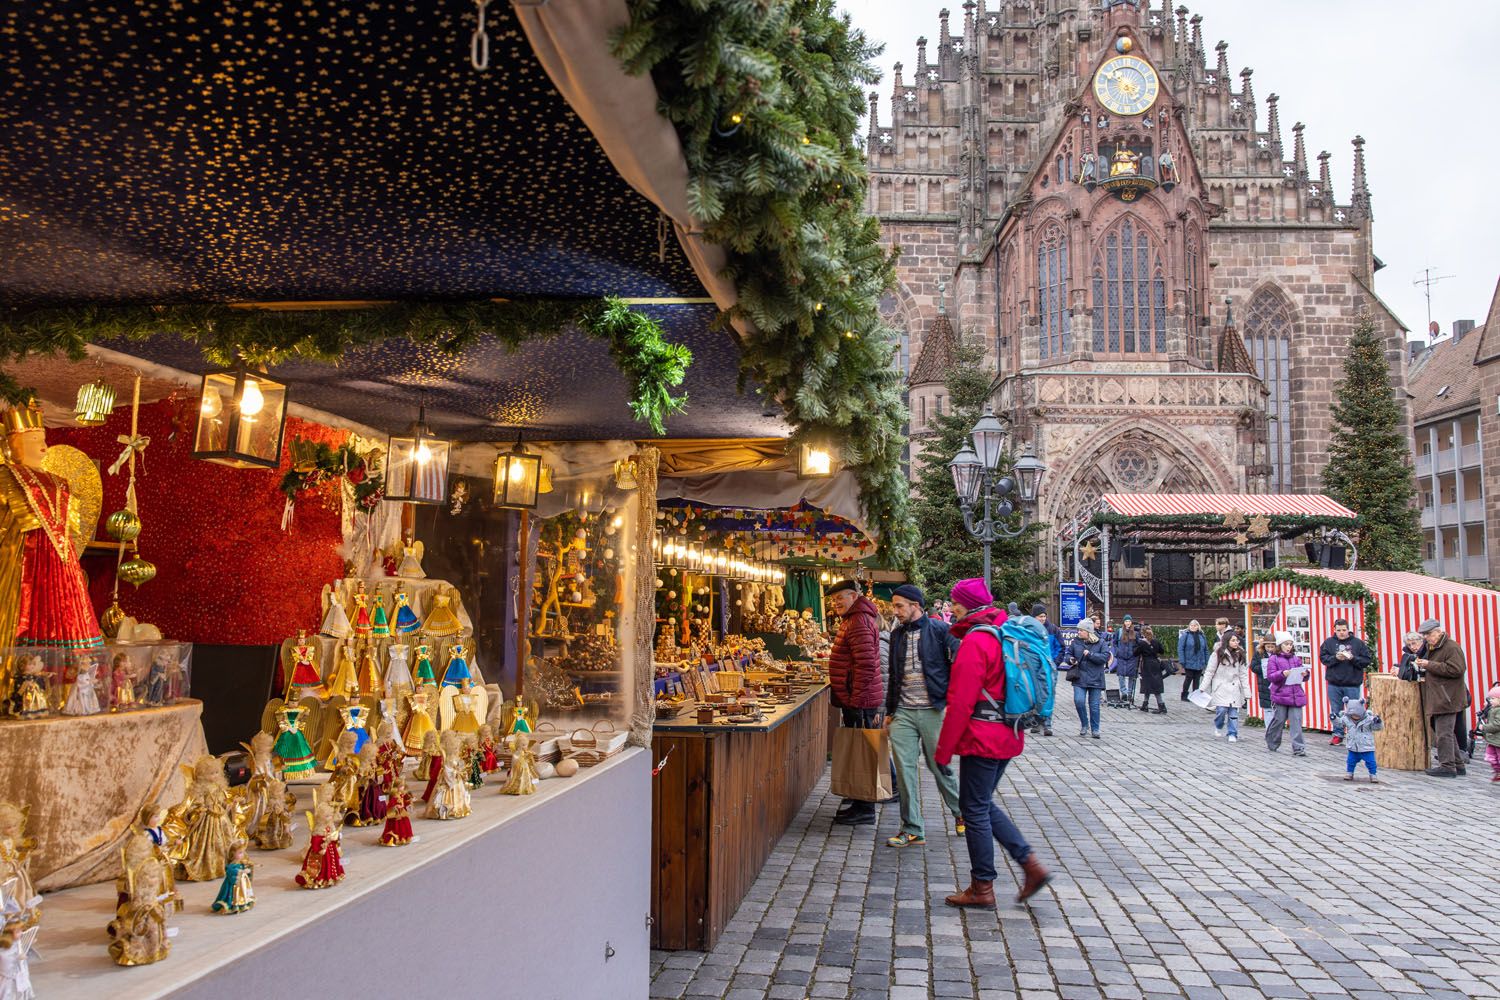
1402, 744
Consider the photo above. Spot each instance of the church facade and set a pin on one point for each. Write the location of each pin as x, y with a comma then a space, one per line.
1163, 285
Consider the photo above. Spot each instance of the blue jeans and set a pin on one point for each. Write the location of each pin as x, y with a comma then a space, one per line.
984, 821
1127, 689
1227, 715
1087, 703
1336, 695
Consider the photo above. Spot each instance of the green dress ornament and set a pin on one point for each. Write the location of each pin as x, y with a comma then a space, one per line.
291, 746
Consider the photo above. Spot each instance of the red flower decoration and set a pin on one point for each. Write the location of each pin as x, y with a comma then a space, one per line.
357, 474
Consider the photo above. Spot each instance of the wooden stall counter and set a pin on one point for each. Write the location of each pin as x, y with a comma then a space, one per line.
725, 796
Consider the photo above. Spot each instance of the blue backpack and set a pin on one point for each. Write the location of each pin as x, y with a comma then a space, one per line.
1027, 655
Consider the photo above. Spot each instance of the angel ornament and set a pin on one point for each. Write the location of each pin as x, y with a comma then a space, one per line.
305, 678
335, 617
207, 817
450, 798
462, 707
411, 560
291, 747
18, 929
345, 681
419, 721
523, 774
237, 893
398, 679
262, 777
275, 830
323, 864
15, 854
342, 791
397, 831
84, 698
140, 925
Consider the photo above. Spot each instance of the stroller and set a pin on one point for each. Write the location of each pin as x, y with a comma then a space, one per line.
1476, 735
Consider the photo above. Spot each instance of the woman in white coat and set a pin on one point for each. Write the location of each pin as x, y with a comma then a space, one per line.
1227, 683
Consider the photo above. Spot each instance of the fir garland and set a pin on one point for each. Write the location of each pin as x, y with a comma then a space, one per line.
1320, 584
653, 366
766, 98
315, 463
1284, 525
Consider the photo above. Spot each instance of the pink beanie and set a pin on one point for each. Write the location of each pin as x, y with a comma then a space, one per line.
972, 594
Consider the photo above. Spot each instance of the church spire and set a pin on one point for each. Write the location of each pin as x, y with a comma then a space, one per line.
874, 112
1221, 72
1325, 180
1360, 199
945, 43
1183, 52
1273, 126
1197, 50
922, 61
1247, 97
1299, 152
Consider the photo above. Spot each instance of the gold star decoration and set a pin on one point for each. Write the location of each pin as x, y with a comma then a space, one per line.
1088, 550
1260, 526
1234, 519
1241, 538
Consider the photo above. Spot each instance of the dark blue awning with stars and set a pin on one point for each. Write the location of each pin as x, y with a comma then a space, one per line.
310, 151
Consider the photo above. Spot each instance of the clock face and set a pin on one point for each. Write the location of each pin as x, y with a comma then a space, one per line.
1126, 85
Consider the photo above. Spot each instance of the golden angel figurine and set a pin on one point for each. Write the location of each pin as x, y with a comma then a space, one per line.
369, 798
207, 818
323, 864
304, 678
151, 823
431, 751
371, 684
258, 788
275, 830
342, 791
450, 799
15, 854
523, 775
345, 680
419, 721
335, 616
441, 619
462, 708
139, 929
411, 560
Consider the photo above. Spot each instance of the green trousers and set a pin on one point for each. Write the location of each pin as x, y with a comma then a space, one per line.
914, 737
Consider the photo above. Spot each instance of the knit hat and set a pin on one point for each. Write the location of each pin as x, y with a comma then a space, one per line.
1086, 627
1284, 637
1013, 609
1493, 694
1354, 707
972, 594
911, 592
1038, 609
1128, 618
1429, 625
843, 585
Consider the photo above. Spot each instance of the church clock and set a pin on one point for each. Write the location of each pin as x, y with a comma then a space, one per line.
1126, 85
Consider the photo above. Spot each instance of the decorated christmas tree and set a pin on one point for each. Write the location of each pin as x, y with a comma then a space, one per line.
946, 552
1369, 467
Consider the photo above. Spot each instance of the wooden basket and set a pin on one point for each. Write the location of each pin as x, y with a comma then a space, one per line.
585, 747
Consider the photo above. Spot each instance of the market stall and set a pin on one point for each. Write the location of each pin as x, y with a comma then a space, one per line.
1382, 607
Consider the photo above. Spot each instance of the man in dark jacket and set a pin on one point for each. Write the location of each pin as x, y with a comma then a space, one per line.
1445, 694
856, 677
1345, 657
921, 653
1192, 653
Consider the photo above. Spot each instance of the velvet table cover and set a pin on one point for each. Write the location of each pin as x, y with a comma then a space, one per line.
85, 777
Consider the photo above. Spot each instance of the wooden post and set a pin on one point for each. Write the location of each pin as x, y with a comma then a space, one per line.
1402, 744
523, 603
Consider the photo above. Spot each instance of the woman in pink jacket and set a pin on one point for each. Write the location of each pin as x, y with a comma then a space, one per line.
973, 731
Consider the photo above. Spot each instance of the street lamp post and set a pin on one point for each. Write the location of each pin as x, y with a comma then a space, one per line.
980, 484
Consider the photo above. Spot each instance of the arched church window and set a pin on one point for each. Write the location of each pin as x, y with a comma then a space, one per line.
1268, 336
1052, 292
1130, 293
1197, 334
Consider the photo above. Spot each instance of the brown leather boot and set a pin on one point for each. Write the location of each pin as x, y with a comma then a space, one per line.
977, 894
1036, 877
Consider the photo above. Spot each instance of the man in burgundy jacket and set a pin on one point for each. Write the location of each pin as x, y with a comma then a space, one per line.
856, 677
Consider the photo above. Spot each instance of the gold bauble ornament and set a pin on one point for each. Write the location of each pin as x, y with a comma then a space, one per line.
123, 525
136, 571
111, 619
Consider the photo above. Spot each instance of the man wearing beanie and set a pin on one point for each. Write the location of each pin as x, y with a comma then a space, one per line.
973, 730
1055, 650
921, 653
856, 678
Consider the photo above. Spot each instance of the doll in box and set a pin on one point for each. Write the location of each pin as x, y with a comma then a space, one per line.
29, 698
323, 864
208, 819
83, 699
237, 893
121, 683
449, 797
397, 830
158, 678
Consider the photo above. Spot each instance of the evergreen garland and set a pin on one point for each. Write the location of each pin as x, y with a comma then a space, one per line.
1285, 525
766, 98
268, 337
1369, 467
946, 552
1319, 584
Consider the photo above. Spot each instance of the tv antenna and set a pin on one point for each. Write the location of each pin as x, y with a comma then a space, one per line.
1427, 280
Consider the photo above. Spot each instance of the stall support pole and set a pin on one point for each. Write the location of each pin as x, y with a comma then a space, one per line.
1104, 569
523, 602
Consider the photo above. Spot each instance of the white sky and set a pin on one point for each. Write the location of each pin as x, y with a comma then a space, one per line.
1413, 79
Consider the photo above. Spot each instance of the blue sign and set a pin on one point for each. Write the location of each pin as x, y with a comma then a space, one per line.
1072, 604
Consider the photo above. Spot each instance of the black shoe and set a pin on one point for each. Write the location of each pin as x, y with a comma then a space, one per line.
1145, 708
855, 817
1046, 730
1441, 772
1462, 770
1159, 711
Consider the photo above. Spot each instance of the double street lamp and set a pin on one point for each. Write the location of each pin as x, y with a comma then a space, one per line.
979, 481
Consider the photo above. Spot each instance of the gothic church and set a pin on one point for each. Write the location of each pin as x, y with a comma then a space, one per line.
1164, 287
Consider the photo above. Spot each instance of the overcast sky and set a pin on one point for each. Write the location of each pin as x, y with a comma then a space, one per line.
1414, 79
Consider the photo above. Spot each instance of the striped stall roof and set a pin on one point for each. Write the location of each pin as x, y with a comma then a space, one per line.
1168, 504
1470, 615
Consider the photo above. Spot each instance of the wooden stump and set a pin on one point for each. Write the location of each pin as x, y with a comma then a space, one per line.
1402, 744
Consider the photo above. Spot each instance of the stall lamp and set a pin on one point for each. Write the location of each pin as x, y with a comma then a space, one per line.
815, 461
825, 579
518, 475
95, 402
416, 465
241, 419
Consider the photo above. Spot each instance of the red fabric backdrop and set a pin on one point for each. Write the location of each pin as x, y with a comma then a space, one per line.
225, 571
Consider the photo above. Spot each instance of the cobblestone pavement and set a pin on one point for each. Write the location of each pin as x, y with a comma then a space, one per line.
1183, 866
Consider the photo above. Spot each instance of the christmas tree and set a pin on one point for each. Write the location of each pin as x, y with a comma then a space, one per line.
1369, 467
946, 553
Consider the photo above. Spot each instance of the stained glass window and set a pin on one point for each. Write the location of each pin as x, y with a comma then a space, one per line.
1268, 335
1129, 307
1052, 293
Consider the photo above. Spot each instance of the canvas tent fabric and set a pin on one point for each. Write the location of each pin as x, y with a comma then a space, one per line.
1471, 616
1170, 504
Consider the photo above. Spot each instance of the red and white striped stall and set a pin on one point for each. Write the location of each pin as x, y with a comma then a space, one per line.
1471, 616
1270, 504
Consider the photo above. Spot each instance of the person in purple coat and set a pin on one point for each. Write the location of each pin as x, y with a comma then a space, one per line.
1288, 681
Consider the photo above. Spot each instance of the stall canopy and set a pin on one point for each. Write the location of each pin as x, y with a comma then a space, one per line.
1214, 520
1383, 606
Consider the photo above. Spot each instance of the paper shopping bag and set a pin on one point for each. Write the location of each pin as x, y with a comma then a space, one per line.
861, 764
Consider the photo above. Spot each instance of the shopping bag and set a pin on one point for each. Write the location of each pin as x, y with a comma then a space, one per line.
861, 764
1199, 698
